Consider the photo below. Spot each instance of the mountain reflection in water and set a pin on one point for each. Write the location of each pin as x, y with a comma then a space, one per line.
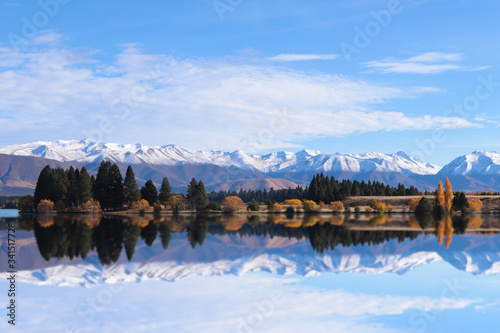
75, 236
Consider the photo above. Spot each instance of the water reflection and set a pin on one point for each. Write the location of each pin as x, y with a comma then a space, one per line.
74, 236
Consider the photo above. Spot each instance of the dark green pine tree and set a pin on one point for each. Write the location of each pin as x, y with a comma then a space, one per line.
59, 186
165, 191
191, 192
101, 185
460, 202
313, 189
424, 207
201, 197
72, 193
44, 185
130, 188
84, 186
116, 187
149, 192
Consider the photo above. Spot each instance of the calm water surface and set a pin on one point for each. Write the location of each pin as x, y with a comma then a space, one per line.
255, 273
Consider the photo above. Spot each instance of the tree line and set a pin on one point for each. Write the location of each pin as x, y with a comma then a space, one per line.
72, 188
328, 189
75, 188
262, 195
321, 189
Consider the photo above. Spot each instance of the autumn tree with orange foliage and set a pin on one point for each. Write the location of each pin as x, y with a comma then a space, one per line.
378, 206
92, 206
448, 195
412, 204
439, 199
45, 207
337, 206
275, 208
140, 205
231, 204
310, 206
292, 202
177, 203
475, 205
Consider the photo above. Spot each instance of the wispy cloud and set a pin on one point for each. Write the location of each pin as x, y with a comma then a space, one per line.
303, 57
230, 304
52, 92
426, 63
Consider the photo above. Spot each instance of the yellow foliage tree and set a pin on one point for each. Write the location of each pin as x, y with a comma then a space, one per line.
475, 205
439, 199
337, 206
378, 206
292, 202
275, 208
45, 207
448, 195
141, 205
231, 204
92, 206
310, 206
177, 203
412, 204
389, 209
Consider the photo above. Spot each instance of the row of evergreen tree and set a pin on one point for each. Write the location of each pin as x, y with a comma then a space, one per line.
321, 188
74, 187
262, 195
328, 189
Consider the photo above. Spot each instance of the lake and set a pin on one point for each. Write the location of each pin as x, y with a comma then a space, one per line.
253, 273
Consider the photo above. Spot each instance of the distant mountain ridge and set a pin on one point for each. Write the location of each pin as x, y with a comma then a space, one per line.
477, 171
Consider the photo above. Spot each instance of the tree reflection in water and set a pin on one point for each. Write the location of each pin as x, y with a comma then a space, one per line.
75, 236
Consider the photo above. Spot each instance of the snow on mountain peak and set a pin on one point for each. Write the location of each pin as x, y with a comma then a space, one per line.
88, 151
482, 163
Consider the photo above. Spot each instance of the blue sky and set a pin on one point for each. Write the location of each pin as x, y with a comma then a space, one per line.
262, 302
259, 76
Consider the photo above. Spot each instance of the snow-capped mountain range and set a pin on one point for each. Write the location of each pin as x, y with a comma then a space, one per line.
231, 254
88, 151
232, 170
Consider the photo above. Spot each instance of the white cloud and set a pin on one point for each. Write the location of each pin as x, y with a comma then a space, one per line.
51, 92
426, 63
250, 303
303, 57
